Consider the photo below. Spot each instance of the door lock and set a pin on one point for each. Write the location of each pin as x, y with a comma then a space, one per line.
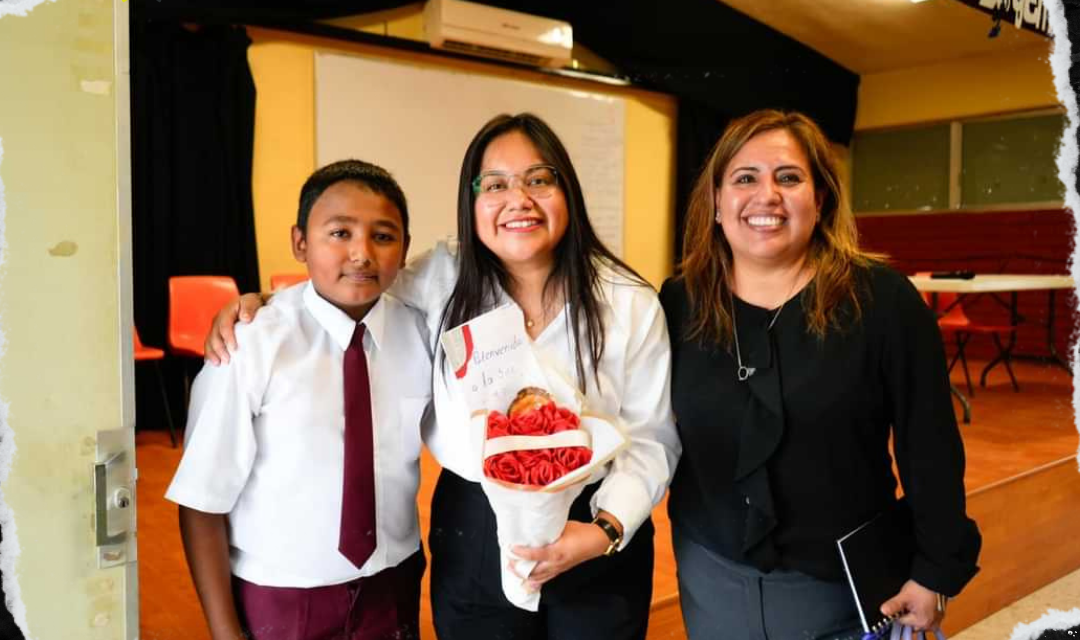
114, 502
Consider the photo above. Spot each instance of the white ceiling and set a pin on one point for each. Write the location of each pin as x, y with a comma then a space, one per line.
868, 36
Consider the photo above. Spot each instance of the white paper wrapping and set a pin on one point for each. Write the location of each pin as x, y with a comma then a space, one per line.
493, 359
535, 518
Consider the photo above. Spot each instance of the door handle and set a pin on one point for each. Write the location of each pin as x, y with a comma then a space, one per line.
112, 503
114, 498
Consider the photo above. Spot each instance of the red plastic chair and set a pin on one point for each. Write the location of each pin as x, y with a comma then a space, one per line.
282, 280
144, 353
957, 323
193, 302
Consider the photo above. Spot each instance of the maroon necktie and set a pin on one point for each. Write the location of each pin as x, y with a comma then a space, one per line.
356, 540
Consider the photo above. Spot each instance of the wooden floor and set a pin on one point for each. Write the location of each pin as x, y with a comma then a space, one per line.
1010, 434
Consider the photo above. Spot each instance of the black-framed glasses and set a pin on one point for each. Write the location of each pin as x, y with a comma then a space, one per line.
539, 181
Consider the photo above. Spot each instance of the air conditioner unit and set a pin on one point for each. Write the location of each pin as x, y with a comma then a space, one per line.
481, 30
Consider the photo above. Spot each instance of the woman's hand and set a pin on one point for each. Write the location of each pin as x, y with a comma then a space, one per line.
222, 339
920, 605
579, 542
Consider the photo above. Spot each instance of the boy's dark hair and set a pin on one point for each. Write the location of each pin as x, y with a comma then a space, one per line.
578, 257
370, 176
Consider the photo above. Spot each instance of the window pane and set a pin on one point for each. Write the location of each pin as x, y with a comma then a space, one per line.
901, 170
1011, 161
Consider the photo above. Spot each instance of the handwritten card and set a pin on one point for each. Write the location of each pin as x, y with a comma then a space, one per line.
492, 358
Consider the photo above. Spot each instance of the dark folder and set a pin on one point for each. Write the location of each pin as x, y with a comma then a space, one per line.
877, 560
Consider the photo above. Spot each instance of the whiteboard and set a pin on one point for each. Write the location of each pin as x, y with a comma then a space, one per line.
417, 122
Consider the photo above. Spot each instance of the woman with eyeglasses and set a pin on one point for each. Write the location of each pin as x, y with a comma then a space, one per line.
524, 236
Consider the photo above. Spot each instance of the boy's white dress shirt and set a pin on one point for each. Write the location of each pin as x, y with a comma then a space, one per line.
265, 436
635, 379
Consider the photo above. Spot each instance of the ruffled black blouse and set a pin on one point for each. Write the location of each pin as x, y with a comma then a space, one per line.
776, 468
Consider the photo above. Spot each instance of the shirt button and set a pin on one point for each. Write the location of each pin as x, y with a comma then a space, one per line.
747, 499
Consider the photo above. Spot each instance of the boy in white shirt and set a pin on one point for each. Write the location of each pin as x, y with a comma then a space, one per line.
297, 488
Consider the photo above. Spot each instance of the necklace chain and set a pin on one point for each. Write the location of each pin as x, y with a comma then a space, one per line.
745, 372
546, 312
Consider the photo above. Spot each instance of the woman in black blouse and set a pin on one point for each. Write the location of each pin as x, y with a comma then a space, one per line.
795, 356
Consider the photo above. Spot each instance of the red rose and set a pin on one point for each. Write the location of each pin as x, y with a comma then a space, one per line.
506, 468
558, 424
498, 425
530, 423
566, 414
543, 473
529, 458
538, 466
573, 457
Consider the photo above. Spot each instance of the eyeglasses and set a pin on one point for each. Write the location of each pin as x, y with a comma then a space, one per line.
494, 186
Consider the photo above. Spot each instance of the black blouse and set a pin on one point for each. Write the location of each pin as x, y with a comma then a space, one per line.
776, 468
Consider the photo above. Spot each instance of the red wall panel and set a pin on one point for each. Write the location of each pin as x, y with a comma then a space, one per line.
1037, 242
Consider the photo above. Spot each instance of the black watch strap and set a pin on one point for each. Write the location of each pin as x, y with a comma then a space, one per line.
614, 537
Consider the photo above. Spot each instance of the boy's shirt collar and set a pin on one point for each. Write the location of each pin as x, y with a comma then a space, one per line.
338, 323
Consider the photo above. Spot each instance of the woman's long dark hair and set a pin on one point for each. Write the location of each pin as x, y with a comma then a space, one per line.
578, 256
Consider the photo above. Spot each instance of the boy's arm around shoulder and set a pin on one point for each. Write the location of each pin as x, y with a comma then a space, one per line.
412, 329
426, 282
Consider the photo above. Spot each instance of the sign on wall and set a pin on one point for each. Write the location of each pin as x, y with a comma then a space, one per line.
1024, 14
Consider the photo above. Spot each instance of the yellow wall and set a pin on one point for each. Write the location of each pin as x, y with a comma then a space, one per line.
284, 153
64, 305
282, 65
1017, 80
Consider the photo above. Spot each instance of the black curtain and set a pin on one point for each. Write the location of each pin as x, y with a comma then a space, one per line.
193, 116
699, 127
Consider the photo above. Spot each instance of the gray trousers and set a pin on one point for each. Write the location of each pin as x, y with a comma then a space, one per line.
724, 600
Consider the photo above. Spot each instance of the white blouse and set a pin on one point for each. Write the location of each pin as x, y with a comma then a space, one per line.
634, 374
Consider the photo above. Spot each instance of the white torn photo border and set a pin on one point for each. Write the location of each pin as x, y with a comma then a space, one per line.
9, 545
1052, 620
18, 7
1060, 62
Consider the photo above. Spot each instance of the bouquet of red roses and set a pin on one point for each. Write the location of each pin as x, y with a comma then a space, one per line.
537, 457
533, 464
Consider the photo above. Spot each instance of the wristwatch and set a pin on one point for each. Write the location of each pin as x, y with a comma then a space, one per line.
614, 537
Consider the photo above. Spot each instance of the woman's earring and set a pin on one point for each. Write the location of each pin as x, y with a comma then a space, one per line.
717, 216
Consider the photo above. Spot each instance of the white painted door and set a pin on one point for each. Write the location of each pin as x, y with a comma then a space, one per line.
65, 310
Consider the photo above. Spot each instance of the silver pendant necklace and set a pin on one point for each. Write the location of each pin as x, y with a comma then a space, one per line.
745, 372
